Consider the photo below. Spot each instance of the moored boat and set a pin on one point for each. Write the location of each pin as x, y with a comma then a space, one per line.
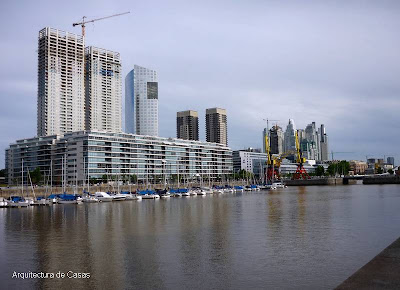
103, 196
69, 199
17, 201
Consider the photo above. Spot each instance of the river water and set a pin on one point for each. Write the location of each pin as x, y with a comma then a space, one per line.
298, 237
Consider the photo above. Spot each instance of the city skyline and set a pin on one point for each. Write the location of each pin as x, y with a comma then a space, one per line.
349, 86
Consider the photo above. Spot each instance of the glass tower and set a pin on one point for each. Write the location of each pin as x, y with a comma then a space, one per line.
141, 101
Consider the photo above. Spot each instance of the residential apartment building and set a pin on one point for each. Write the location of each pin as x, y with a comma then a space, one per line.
81, 155
103, 87
216, 126
187, 125
61, 97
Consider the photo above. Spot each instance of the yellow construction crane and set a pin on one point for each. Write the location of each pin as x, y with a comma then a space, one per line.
84, 22
300, 171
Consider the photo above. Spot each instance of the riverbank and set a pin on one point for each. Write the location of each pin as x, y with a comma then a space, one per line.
382, 272
383, 179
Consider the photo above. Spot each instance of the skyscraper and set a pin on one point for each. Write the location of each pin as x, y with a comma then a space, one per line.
103, 90
276, 140
311, 143
141, 101
323, 143
290, 136
390, 160
265, 132
187, 125
61, 98
216, 126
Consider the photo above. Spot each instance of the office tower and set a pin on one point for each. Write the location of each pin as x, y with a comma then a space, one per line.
187, 125
311, 143
290, 136
141, 101
216, 126
103, 110
61, 99
276, 140
265, 132
390, 160
323, 141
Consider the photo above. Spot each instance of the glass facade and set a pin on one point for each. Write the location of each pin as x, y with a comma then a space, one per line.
119, 155
141, 102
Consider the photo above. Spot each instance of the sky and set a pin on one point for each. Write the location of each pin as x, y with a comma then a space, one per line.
332, 62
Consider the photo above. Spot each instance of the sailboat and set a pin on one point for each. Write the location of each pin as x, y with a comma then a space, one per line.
19, 201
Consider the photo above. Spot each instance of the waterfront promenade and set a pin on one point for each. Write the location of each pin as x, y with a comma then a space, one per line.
382, 272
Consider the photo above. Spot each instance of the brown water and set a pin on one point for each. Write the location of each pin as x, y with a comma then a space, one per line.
299, 237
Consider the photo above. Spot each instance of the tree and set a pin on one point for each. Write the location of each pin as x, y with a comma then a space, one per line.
379, 170
319, 171
104, 178
390, 171
133, 178
36, 176
341, 167
2, 173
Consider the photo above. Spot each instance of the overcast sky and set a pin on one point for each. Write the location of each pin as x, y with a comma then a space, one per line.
332, 62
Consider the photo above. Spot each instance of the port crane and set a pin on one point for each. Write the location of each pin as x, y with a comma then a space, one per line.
84, 22
339, 153
300, 171
272, 173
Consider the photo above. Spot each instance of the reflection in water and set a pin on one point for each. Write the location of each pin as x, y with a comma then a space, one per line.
310, 237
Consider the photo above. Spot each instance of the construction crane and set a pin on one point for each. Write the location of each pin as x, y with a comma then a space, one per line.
300, 171
84, 22
271, 171
268, 120
340, 153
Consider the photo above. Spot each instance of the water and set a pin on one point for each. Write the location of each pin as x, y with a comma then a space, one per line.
299, 237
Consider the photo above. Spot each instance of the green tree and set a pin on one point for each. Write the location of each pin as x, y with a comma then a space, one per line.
341, 167
2, 173
36, 176
319, 171
390, 171
133, 178
379, 170
104, 178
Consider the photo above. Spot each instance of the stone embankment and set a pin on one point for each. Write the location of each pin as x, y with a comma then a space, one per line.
314, 181
382, 272
382, 179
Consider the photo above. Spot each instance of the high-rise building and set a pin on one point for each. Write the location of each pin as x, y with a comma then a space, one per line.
61, 98
187, 125
323, 143
216, 126
390, 160
265, 132
276, 140
103, 110
311, 142
290, 136
141, 101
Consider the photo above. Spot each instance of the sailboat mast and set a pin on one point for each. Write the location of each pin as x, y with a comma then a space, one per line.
22, 177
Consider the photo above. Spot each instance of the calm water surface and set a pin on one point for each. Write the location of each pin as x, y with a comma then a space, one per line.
299, 237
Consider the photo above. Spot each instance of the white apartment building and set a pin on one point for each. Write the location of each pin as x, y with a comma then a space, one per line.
103, 110
141, 101
61, 98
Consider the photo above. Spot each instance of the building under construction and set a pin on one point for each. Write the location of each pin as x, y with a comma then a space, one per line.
78, 88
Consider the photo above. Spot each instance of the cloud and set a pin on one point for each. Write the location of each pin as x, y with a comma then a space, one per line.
331, 62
